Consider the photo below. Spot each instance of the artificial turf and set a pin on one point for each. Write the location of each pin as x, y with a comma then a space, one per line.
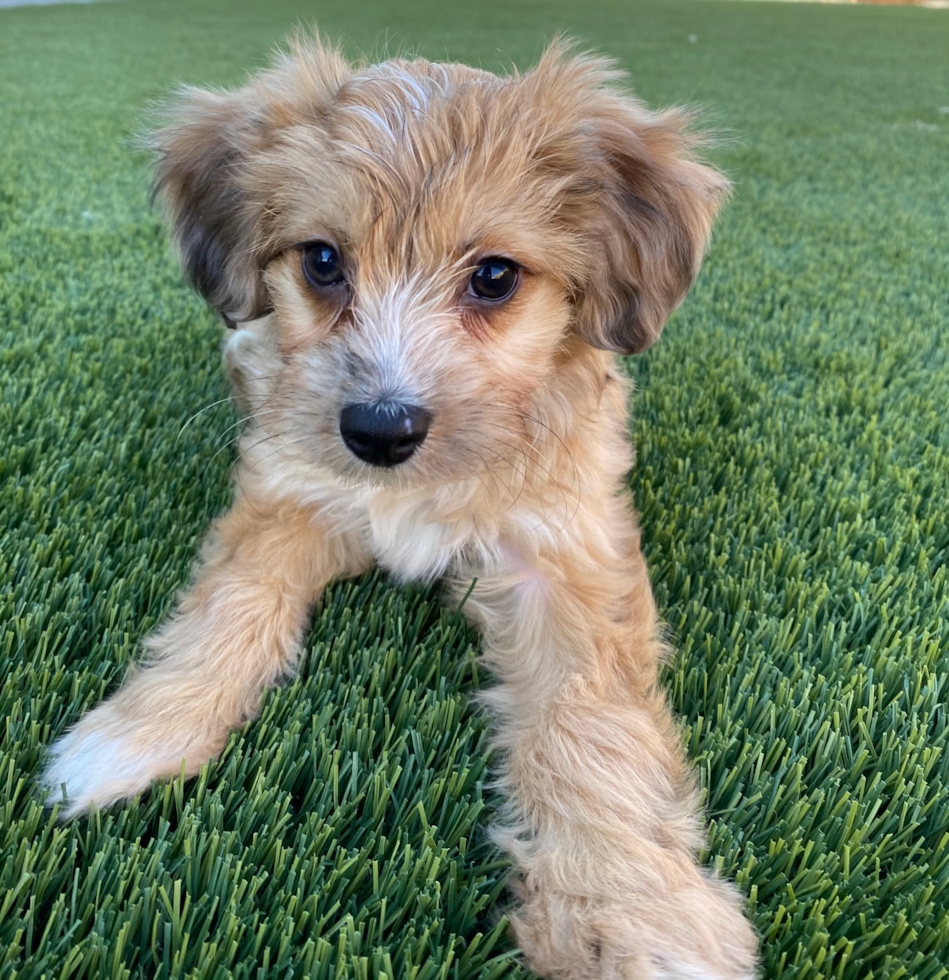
792, 476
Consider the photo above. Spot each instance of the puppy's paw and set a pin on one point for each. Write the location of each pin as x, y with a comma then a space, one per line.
107, 758
694, 933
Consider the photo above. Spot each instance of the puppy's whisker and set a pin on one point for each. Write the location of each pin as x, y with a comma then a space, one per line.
526, 481
207, 408
538, 498
496, 493
556, 483
514, 497
283, 447
478, 472
566, 448
521, 470
242, 454
220, 401
247, 418
541, 463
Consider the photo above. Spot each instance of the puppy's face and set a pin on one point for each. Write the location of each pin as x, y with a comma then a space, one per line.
430, 244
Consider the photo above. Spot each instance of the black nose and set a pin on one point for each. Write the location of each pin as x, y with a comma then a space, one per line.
384, 434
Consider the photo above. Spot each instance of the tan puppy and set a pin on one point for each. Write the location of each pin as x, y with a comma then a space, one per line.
433, 266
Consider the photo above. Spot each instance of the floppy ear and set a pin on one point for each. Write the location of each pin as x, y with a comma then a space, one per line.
203, 155
653, 215
204, 172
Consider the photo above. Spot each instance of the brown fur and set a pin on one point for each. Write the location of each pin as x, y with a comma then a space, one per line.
416, 172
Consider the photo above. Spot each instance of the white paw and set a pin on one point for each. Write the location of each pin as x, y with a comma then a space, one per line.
99, 765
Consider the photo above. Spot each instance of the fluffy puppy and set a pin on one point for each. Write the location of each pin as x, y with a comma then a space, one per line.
432, 268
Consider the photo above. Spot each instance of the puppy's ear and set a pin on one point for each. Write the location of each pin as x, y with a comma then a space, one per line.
205, 171
203, 155
649, 205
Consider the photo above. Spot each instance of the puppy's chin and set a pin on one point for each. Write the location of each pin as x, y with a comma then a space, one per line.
353, 474
420, 473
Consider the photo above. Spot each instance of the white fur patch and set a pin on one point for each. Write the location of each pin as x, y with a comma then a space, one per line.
406, 541
670, 969
99, 769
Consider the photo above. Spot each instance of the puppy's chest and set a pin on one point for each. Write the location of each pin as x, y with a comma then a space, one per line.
412, 537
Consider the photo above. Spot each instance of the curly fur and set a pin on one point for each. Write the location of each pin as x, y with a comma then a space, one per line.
417, 171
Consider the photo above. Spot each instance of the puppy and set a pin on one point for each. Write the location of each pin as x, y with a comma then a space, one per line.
431, 268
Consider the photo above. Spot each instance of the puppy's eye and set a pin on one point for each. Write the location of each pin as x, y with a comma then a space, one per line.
321, 265
494, 279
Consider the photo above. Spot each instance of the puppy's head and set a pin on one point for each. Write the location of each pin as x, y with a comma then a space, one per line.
430, 244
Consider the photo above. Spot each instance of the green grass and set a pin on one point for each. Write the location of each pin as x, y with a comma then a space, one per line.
792, 475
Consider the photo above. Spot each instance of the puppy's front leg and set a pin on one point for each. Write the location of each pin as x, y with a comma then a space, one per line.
236, 631
602, 820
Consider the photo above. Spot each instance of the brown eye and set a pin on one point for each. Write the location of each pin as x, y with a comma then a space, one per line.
321, 265
494, 279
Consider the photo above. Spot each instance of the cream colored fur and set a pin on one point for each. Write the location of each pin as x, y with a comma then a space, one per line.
416, 171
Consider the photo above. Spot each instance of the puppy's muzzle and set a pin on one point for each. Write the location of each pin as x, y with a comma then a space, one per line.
384, 434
